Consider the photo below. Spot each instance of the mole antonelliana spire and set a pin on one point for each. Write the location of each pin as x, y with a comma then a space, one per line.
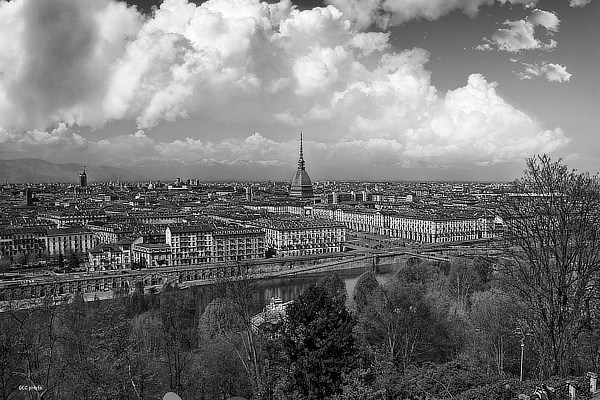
301, 184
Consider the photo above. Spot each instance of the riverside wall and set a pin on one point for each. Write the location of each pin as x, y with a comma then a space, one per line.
106, 284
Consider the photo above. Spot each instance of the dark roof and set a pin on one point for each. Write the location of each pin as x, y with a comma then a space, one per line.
23, 230
297, 224
191, 228
101, 248
66, 231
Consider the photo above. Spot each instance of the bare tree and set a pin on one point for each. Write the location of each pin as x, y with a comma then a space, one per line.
552, 225
494, 315
37, 364
230, 318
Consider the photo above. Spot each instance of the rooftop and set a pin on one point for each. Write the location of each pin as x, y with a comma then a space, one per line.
296, 224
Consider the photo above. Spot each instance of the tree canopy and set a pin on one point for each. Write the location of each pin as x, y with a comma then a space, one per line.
553, 263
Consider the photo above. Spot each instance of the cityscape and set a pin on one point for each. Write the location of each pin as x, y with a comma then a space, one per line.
299, 200
96, 229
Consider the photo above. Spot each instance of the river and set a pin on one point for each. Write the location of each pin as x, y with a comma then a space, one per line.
289, 288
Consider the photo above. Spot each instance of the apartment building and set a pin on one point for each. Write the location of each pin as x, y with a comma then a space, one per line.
436, 230
190, 244
22, 242
105, 232
64, 218
109, 256
151, 255
238, 244
66, 240
298, 237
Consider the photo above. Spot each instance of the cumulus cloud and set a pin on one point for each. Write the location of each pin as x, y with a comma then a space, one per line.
55, 56
60, 137
231, 64
486, 46
385, 13
579, 3
544, 18
520, 35
552, 72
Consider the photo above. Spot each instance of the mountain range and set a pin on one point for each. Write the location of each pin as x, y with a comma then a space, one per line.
34, 170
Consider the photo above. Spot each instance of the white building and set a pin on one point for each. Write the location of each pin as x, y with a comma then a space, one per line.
109, 256
199, 244
66, 240
299, 237
190, 245
151, 255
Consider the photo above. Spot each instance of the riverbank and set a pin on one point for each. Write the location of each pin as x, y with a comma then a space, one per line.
30, 293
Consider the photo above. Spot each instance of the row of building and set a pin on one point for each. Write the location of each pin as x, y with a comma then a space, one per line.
203, 244
424, 227
110, 247
39, 241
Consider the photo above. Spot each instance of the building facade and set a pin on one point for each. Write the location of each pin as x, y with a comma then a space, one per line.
199, 244
105, 232
67, 240
17, 244
151, 255
72, 217
190, 244
234, 244
109, 256
299, 237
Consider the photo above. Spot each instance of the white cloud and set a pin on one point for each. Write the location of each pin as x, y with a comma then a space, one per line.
55, 57
484, 46
579, 3
520, 34
232, 64
552, 72
37, 143
371, 41
385, 13
544, 18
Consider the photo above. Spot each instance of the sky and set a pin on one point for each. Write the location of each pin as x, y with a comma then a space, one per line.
381, 89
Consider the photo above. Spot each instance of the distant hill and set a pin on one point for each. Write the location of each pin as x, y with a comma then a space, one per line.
214, 170
34, 170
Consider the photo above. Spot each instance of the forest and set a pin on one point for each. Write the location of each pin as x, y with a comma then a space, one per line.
435, 330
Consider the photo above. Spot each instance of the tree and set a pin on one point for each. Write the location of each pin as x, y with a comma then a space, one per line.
366, 285
335, 286
462, 280
493, 316
94, 348
553, 226
357, 385
4, 264
229, 319
73, 261
179, 335
20, 258
33, 336
11, 356
317, 345
399, 326
221, 372
146, 362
